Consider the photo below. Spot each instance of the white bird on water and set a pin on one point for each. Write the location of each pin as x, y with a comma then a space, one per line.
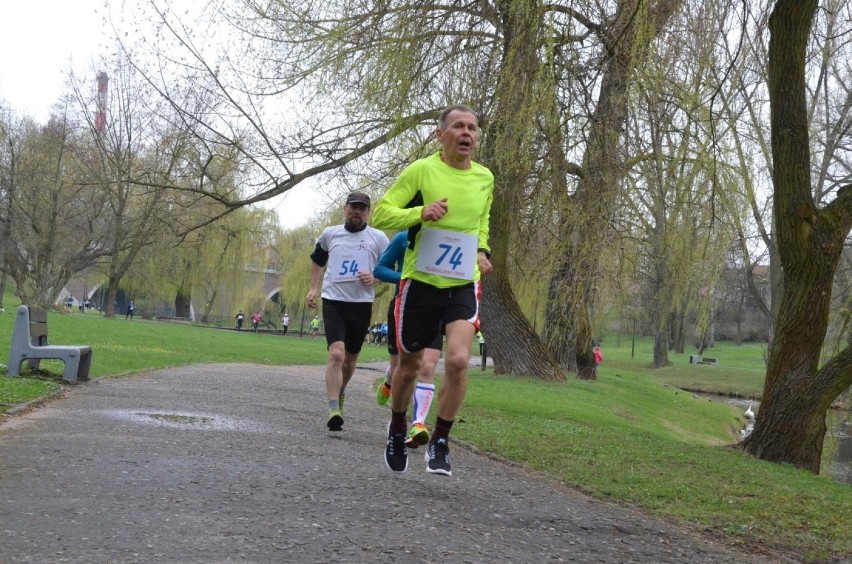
749, 414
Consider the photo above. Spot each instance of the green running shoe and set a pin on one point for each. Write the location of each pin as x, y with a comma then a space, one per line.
383, 393
417, 436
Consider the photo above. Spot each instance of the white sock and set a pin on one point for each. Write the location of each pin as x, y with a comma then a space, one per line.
388, 376
423, 395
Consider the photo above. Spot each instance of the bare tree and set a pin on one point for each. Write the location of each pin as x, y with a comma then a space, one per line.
137, 150
51, 213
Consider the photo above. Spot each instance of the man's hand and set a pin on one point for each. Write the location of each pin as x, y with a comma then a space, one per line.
434, 211
366, 278
311, 298
484, 264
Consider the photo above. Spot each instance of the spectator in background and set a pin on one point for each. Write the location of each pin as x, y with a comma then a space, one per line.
598, 356
130, 309
285, 324
255, 320
240, 318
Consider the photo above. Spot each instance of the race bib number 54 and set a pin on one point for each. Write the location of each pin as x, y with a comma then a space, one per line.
346, 268
447, 253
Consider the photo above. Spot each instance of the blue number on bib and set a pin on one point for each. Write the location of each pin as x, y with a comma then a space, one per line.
455, 258
444, 254
347, 268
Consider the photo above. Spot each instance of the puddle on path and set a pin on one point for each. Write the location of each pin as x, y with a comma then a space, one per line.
182, 420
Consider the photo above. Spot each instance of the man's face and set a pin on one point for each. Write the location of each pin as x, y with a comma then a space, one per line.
356, 215
460, 136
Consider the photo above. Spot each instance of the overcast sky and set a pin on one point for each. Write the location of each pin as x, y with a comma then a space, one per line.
40, 41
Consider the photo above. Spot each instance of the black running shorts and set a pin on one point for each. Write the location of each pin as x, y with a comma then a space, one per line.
422, 311
347, 322
437, 343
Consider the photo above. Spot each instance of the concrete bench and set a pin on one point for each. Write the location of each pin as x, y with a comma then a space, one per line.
29, 342
695, 359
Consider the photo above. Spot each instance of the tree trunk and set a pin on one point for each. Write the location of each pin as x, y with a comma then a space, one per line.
796, 396
2, 283
661, 345
182, 303
558, 331
208, 307
514, 345
112, 292
678, 331
740, 318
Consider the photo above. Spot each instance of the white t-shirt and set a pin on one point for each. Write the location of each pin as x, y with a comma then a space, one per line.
348, 254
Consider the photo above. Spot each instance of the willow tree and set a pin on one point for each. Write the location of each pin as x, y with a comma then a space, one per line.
678, 177
209, 268
514, 344
798, 392
370, 73
293, 246
624, 37
374, 77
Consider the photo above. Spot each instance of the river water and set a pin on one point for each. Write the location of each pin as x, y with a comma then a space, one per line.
838, 448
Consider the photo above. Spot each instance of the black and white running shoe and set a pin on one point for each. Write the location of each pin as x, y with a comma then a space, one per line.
396, 455
438, 458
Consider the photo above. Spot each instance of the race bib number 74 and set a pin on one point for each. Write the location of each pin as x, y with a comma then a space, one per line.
447, 253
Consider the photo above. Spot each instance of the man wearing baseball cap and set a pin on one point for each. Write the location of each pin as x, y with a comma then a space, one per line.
347, 255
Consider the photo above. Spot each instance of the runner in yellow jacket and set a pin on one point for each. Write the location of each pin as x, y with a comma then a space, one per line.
445, 203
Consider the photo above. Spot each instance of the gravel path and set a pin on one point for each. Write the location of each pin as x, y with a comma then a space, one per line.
233, 463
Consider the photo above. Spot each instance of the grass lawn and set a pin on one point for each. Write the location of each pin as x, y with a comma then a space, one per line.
633, 436
740, 371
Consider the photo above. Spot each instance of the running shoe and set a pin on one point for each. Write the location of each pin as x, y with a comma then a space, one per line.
418, 435
396, 456
438, 458
383, 393
335, 420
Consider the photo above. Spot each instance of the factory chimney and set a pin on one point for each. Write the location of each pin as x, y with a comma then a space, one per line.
100, 114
